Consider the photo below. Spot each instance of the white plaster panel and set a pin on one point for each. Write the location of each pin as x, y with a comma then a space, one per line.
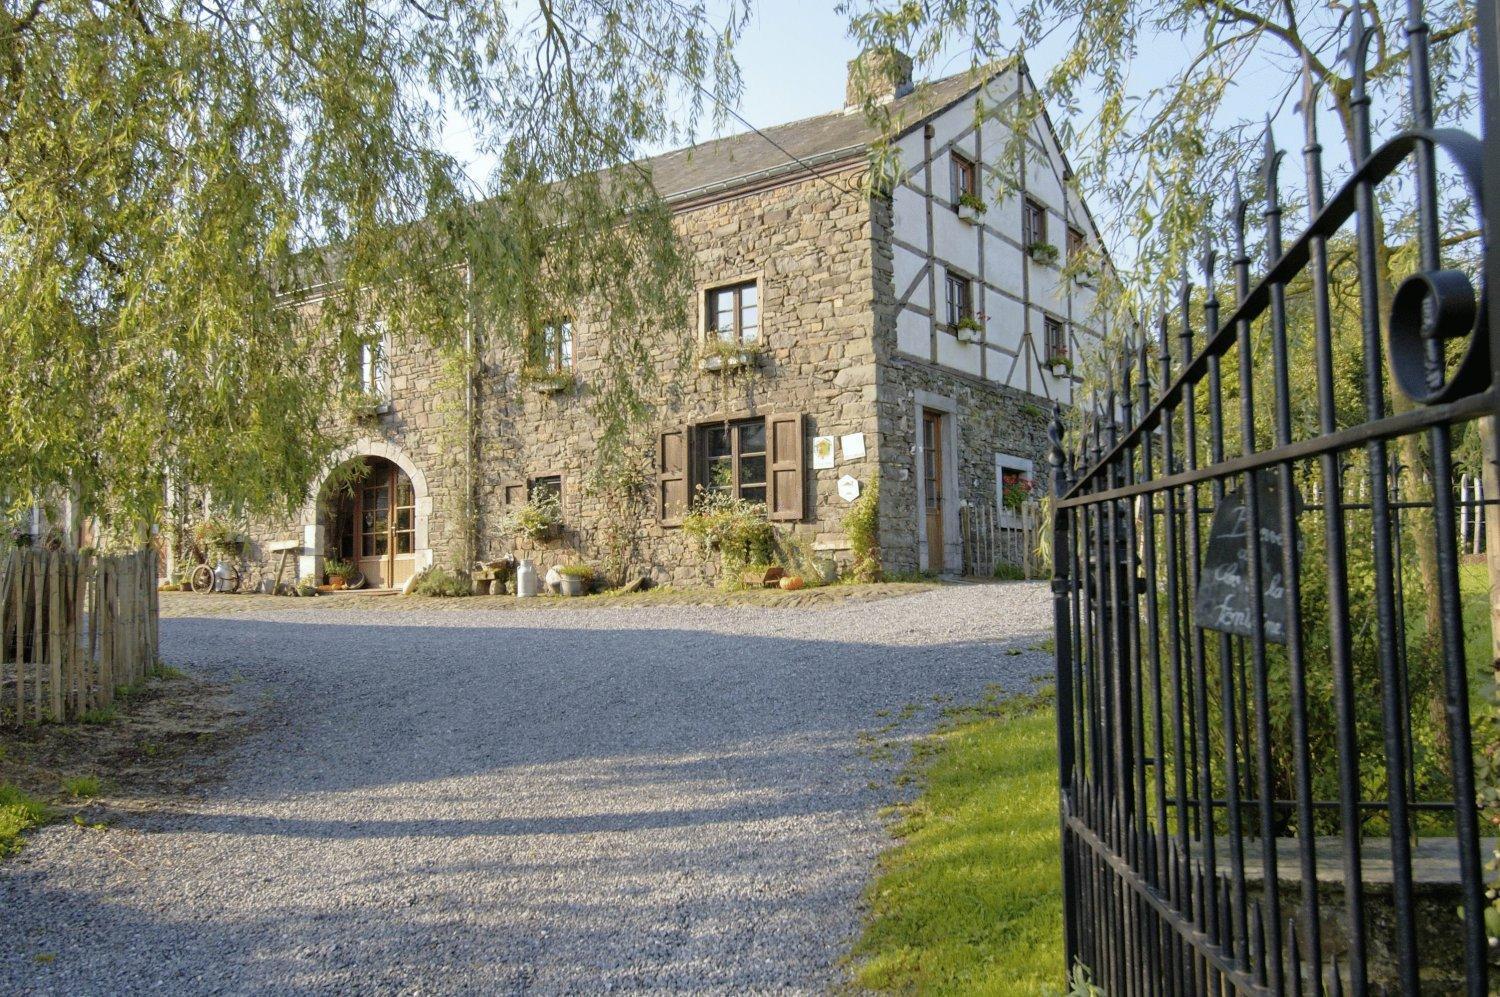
1042, 184
1002, 264
1045, 287
907, 266
998, 363
913, 334
909, 216
955, 241
959, 356
1004, 320
950, 124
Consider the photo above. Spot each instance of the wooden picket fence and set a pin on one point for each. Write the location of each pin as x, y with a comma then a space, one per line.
990, 540
73, 629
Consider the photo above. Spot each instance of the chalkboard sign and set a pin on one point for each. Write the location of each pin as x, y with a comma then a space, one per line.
1223, 601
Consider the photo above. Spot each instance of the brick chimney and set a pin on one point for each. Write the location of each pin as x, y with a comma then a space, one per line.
883, 74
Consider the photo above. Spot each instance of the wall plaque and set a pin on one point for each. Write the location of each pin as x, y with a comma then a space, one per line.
848, 488
853, 445
822, 452
1223, 601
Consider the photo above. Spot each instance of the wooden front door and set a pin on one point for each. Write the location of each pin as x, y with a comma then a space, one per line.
932, 486
377, 525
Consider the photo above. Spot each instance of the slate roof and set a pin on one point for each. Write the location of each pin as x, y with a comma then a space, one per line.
728, 162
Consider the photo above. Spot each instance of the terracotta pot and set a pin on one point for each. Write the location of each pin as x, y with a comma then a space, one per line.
337, 581
792, 583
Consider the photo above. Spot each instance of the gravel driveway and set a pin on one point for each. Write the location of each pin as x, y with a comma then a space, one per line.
660, 799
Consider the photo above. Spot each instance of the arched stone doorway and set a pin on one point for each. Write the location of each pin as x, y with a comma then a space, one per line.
379, 521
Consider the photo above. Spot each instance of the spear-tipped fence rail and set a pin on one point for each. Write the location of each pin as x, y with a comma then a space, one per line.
1264, 718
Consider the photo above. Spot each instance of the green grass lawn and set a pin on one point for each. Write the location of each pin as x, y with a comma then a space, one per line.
970, 900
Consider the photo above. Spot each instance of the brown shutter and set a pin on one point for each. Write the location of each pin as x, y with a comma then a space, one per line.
672, 477
785, 446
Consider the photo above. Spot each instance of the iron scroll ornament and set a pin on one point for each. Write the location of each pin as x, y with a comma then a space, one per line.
1438, 304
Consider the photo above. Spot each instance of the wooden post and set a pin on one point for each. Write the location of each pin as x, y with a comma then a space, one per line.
54, 630
1491, 487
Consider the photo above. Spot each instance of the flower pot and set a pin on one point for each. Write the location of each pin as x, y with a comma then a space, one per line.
571, 585
1062, 370
337, 582
727, 361
969, 213
967, 335
792, 583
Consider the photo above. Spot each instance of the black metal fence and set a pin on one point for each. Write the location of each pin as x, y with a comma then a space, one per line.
1266, 726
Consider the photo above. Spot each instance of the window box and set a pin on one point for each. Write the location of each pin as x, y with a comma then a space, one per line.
970, 208
1044, 253
716, 355
969, 330
1061, 366
725, 360
548, 382
364, 406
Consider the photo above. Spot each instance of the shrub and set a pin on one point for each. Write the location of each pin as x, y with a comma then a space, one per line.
733, 528
535, 520
862, 530
441, 583
582, 571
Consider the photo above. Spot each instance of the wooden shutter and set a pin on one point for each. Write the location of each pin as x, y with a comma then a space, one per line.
672, 455
784, 449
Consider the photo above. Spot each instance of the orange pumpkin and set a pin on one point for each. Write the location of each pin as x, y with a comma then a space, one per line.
792, 583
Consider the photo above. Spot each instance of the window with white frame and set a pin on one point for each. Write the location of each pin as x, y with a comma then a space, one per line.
375, 364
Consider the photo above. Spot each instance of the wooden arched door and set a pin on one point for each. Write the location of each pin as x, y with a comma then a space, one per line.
376, 524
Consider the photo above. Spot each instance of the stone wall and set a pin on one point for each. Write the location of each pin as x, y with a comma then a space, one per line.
810, 248
423, 423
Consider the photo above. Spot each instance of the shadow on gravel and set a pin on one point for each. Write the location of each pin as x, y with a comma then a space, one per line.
370, 706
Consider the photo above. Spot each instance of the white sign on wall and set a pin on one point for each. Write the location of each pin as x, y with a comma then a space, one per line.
848, 488
854, 446
822, 452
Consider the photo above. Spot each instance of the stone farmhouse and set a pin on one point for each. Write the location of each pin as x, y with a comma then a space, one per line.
908, 339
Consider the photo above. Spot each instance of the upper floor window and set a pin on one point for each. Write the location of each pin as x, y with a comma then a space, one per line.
1033, 224
733, 313
732, 459
552, 347
960, 298
547, 488
375, 365
965, 177
1057, 339
1077, 244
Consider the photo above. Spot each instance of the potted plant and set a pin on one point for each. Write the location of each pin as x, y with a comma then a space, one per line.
969, 329
538, 520
971, 207
546, 380
1061, 364
721, 355
366, 405
1044, 253
576, 579
339, 572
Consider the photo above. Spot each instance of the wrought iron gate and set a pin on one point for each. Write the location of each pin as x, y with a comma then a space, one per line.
1265, 726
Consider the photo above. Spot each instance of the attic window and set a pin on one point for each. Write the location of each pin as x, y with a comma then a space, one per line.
965, 177
1033, 224
1076, 243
